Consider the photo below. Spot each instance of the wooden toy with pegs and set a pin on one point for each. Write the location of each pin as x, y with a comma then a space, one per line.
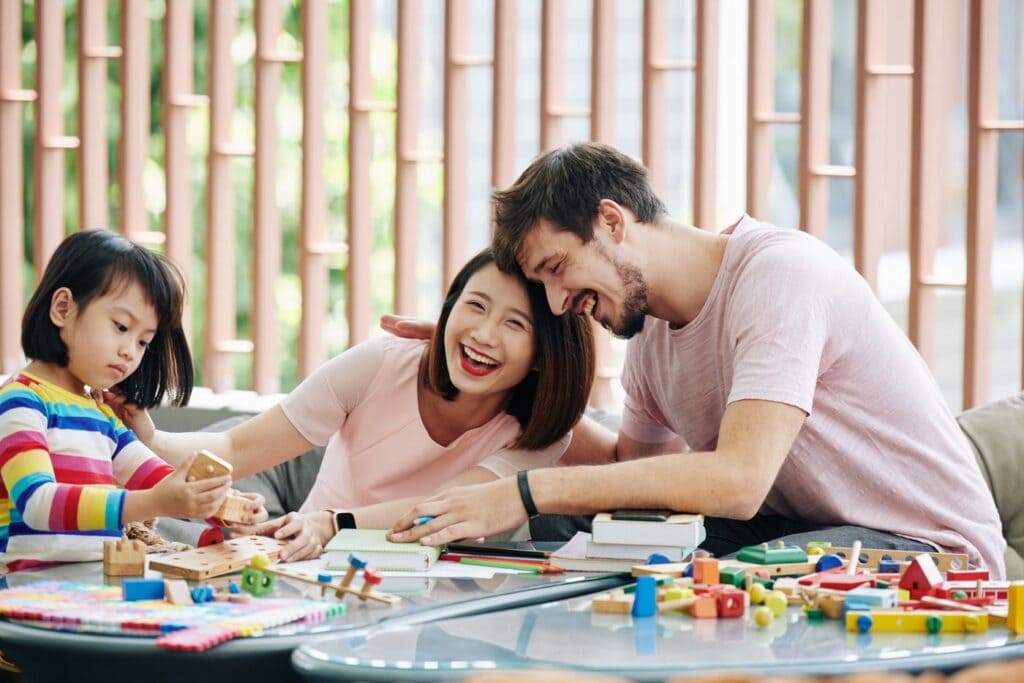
124, 558
207, 465
214, 560
873, 556
342, 588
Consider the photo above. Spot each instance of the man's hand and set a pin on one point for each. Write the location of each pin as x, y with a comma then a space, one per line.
463, 512
305, 533
407, 326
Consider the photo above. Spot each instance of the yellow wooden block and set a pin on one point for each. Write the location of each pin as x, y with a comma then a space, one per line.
612, 603
1015, 612
917, 621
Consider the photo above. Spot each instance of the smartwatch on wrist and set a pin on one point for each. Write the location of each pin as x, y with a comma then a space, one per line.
343, 520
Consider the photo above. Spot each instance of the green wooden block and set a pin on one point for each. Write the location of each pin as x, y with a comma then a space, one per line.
767, 583
771, 554
256, 582
733, 576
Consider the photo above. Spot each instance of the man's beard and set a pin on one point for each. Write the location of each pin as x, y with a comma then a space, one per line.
634, 306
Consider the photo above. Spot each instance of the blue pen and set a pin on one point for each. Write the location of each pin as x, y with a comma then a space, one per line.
422, 520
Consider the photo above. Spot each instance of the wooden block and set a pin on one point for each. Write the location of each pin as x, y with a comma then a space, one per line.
206, 466
703, 607
705, 570
915, 622
232, 510
944, 561
1015, 608
177, 592
612, 603
124, 558
214, 560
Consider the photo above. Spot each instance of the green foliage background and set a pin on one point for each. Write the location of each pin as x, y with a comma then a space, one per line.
289, 120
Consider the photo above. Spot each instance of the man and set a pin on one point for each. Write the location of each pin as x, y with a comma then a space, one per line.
766, 387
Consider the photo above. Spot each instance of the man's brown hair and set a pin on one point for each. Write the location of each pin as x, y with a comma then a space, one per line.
565, 186
551, 398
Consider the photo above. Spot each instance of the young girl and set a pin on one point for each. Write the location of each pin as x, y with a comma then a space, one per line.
107, 312
495, 391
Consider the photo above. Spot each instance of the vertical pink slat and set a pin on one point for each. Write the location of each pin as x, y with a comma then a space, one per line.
177, 99
603, 72
132, 150
266, 238
455, 148
50, 141
760, 103
12, 186
313, 224
927, 155
982, 71
705, 129
93, 176
602, 129
815, 79
220, 216
503, 152
406, 163
360, 225
654, 94
552, 74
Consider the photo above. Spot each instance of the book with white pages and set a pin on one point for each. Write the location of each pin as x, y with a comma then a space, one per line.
621, 551
681, 530
572, 557
378, 552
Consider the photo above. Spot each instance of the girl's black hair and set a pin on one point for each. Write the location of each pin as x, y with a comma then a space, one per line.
93, 263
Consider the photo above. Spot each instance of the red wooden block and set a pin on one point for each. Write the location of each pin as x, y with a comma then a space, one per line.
730, 603
967, 575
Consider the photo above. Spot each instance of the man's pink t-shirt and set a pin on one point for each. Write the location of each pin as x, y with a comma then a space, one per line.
363, 405
788, 320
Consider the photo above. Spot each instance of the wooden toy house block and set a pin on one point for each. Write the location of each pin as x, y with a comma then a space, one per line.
920, 577
124, 558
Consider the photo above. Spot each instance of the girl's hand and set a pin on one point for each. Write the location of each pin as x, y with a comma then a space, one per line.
306, 538
200, 499
134, 418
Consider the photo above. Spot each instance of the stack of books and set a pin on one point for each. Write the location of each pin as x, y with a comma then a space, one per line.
626, 538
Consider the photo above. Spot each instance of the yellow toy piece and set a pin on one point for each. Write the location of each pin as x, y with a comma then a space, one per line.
757, 593
776, 601
918, 621
763, 616
259, 561
1015, 611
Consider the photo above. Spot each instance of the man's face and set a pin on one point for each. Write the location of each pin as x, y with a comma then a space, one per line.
586, 279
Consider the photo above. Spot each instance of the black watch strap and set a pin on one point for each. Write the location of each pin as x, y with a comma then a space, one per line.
344, 520
524, 494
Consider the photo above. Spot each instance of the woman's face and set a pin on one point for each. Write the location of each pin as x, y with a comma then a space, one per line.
489, 337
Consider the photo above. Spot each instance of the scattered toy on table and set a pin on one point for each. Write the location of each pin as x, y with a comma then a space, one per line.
207, 465
142, 589
124, 558
323, 581
214, 560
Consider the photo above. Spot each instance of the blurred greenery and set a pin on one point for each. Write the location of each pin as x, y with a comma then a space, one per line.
288, 151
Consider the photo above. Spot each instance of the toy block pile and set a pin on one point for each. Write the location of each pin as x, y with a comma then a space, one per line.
866, 588
258, 579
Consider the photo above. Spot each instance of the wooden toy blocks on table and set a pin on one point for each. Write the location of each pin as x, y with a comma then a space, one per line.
215, 560
207, 465
767, 553
124, 558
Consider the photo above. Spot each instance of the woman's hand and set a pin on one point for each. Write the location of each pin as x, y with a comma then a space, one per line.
134, 418
307, 535
463, 512
407, 326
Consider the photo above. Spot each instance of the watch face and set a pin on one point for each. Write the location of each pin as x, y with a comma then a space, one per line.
344, 520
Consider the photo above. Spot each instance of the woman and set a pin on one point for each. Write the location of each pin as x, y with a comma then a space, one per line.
496, 390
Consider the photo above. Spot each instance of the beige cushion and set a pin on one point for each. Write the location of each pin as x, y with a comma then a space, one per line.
996, 432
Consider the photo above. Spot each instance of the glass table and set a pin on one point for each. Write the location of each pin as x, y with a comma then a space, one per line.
44, 654
567, 635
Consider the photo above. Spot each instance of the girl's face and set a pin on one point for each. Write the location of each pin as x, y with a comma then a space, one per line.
489, 337
107, 339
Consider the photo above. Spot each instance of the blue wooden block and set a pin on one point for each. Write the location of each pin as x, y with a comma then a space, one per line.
142, 589
888, 567
644, 602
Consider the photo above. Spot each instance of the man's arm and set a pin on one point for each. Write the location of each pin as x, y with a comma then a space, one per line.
754, 439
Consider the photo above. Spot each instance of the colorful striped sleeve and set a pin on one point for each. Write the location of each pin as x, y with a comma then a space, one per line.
136, 467
29, 481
